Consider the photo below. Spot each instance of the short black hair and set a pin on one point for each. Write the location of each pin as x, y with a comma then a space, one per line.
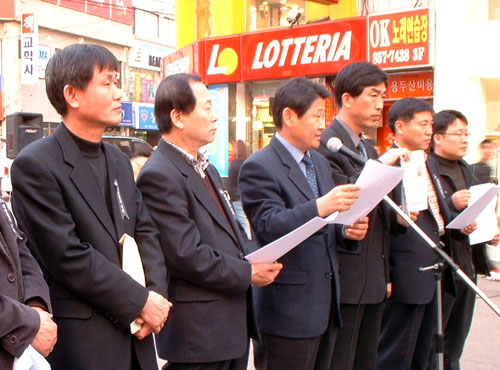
74, 65
484, 142
355, 77
405, 109
174, 92
443, 119
298, 94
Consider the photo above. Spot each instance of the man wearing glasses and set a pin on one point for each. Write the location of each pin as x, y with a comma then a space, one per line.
451, 138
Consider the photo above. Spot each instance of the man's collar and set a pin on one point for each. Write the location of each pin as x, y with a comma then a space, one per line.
199, 164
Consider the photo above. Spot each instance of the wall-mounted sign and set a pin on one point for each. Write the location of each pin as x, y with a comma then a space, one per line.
29, 49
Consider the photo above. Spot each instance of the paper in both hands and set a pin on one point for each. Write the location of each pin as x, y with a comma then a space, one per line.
132, 265
487, 226
376, 180
482, 197
415, 182
30, 359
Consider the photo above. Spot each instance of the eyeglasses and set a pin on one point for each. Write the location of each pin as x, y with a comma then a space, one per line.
458, 133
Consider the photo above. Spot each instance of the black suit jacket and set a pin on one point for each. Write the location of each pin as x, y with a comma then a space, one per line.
21, 280
208, 277
409, 251
277, 199
69, 228
364, 273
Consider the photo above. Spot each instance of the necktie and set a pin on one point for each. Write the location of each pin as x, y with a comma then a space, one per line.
362, 149
311, 175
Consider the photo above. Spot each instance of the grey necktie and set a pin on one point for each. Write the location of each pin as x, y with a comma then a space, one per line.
362, 149
311, 175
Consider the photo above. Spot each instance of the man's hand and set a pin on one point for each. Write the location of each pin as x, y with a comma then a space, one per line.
413, 216
264, 273
393, 155
358, 230
340, 198
469, 228
495, 240
461, 199
145, 330
389, 290
46, 337
155, 311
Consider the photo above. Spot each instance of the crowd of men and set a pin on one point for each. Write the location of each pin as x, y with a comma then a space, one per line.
348, 297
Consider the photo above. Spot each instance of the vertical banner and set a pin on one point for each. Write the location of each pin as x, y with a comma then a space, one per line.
29, 49
218, 150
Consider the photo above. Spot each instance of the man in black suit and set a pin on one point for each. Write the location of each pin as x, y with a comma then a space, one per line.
360, 90
24, 297
408, 322
203, 245
451, 138
283, 186
75, 197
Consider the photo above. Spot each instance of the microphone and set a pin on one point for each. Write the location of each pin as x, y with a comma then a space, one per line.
335, 145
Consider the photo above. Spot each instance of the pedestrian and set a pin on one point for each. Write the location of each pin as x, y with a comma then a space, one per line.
282, 187
204, 248
75, 198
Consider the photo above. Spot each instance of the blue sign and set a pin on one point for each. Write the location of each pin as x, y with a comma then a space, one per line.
218, 149
127, 114
145, 118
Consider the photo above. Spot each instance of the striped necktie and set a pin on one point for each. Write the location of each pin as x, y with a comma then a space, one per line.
311, 175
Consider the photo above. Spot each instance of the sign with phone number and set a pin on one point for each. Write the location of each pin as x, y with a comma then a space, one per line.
398, 40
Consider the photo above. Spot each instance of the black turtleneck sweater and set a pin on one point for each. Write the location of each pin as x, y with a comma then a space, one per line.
452, 169
94, 154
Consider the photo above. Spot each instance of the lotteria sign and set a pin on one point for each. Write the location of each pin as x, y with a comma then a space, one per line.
304, 50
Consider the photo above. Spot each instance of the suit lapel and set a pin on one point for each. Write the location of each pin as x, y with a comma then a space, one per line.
194, 182
83, 179
295, 174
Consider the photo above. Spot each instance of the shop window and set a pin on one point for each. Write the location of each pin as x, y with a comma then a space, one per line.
262, 14
143, 84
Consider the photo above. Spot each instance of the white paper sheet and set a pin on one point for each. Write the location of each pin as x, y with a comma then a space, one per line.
487, 226
471, 213
30, 359
132, 265
376, 181
415, 182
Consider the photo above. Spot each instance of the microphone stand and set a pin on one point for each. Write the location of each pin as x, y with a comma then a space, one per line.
442, 254
437, 268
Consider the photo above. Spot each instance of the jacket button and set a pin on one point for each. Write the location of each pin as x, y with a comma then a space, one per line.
12, 339
11, 277
329, 275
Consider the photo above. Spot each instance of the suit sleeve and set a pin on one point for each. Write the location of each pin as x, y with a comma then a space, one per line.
263, 203
34, 285
186, 256
39, 205
18, 326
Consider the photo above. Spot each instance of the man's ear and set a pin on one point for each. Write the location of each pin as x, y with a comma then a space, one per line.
399, 127
437, 138
347, 100
71, 96
288, 116
176, 117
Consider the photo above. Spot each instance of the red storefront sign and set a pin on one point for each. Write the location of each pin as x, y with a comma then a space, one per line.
317, 49
189, 59
398, 40
222, 60
118, 10
413, 84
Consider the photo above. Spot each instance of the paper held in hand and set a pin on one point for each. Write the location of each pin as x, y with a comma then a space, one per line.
376, 180
415, 182
132, 265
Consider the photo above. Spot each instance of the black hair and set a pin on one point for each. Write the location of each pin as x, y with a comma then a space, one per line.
355, 77
174, 92
74, 65
405, 109
298, 94
443, 119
